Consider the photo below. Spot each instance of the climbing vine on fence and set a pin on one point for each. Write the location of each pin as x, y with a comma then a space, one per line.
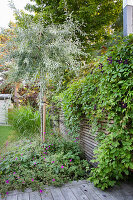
106, 91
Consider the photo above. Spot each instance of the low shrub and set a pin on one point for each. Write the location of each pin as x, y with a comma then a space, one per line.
31, 164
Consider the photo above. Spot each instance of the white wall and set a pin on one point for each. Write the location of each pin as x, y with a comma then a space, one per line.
127, 17
4, 105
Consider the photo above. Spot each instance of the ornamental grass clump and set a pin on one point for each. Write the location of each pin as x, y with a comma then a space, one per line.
25, 120
30, 164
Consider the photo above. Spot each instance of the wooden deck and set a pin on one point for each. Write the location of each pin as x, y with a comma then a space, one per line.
81, 190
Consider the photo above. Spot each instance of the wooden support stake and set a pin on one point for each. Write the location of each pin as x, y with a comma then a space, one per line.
16, 93
44, 117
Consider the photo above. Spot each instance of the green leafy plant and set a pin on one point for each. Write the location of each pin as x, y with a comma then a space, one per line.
95, 14
30, 164
106, 92
114, 158
114, 154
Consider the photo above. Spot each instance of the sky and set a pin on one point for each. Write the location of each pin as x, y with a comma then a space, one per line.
6, 14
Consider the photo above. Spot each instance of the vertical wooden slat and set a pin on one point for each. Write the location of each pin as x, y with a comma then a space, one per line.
16, 93
44, 116
87, 139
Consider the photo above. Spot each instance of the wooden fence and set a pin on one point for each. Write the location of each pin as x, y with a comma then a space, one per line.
87, 139
62, 128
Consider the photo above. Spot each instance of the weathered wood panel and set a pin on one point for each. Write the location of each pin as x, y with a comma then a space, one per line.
68, 194
47, 195
79, 193
87, 139
62, 126
14, 197
81, 190
57, 194
104, 195
35, 196
24, 196
89, 193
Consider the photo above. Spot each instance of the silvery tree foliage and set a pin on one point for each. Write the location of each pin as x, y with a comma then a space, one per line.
44, 52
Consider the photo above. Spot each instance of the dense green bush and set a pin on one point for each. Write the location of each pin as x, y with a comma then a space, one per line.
107, 91
25, 120
31, 164
116, 97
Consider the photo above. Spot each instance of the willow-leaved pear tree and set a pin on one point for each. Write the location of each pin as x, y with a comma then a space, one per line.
42, 53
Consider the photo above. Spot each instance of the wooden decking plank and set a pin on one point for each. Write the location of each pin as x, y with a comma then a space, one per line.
120, 195
117, 192
129, 198
104, 195
47, 195
1, 198
68, 194
127, 189
89, 192
77, 190
14, 192
74, 183
11, 197
28, 190
57, 194
79, 193
24, 196
35, 196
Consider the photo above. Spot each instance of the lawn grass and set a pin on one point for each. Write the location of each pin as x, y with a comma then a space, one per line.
5, 132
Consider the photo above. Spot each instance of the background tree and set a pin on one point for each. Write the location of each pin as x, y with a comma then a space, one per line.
97, 15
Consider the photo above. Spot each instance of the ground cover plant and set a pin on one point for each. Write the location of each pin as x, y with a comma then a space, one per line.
107, 91
30, 164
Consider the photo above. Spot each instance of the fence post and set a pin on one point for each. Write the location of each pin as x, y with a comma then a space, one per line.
16, 93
